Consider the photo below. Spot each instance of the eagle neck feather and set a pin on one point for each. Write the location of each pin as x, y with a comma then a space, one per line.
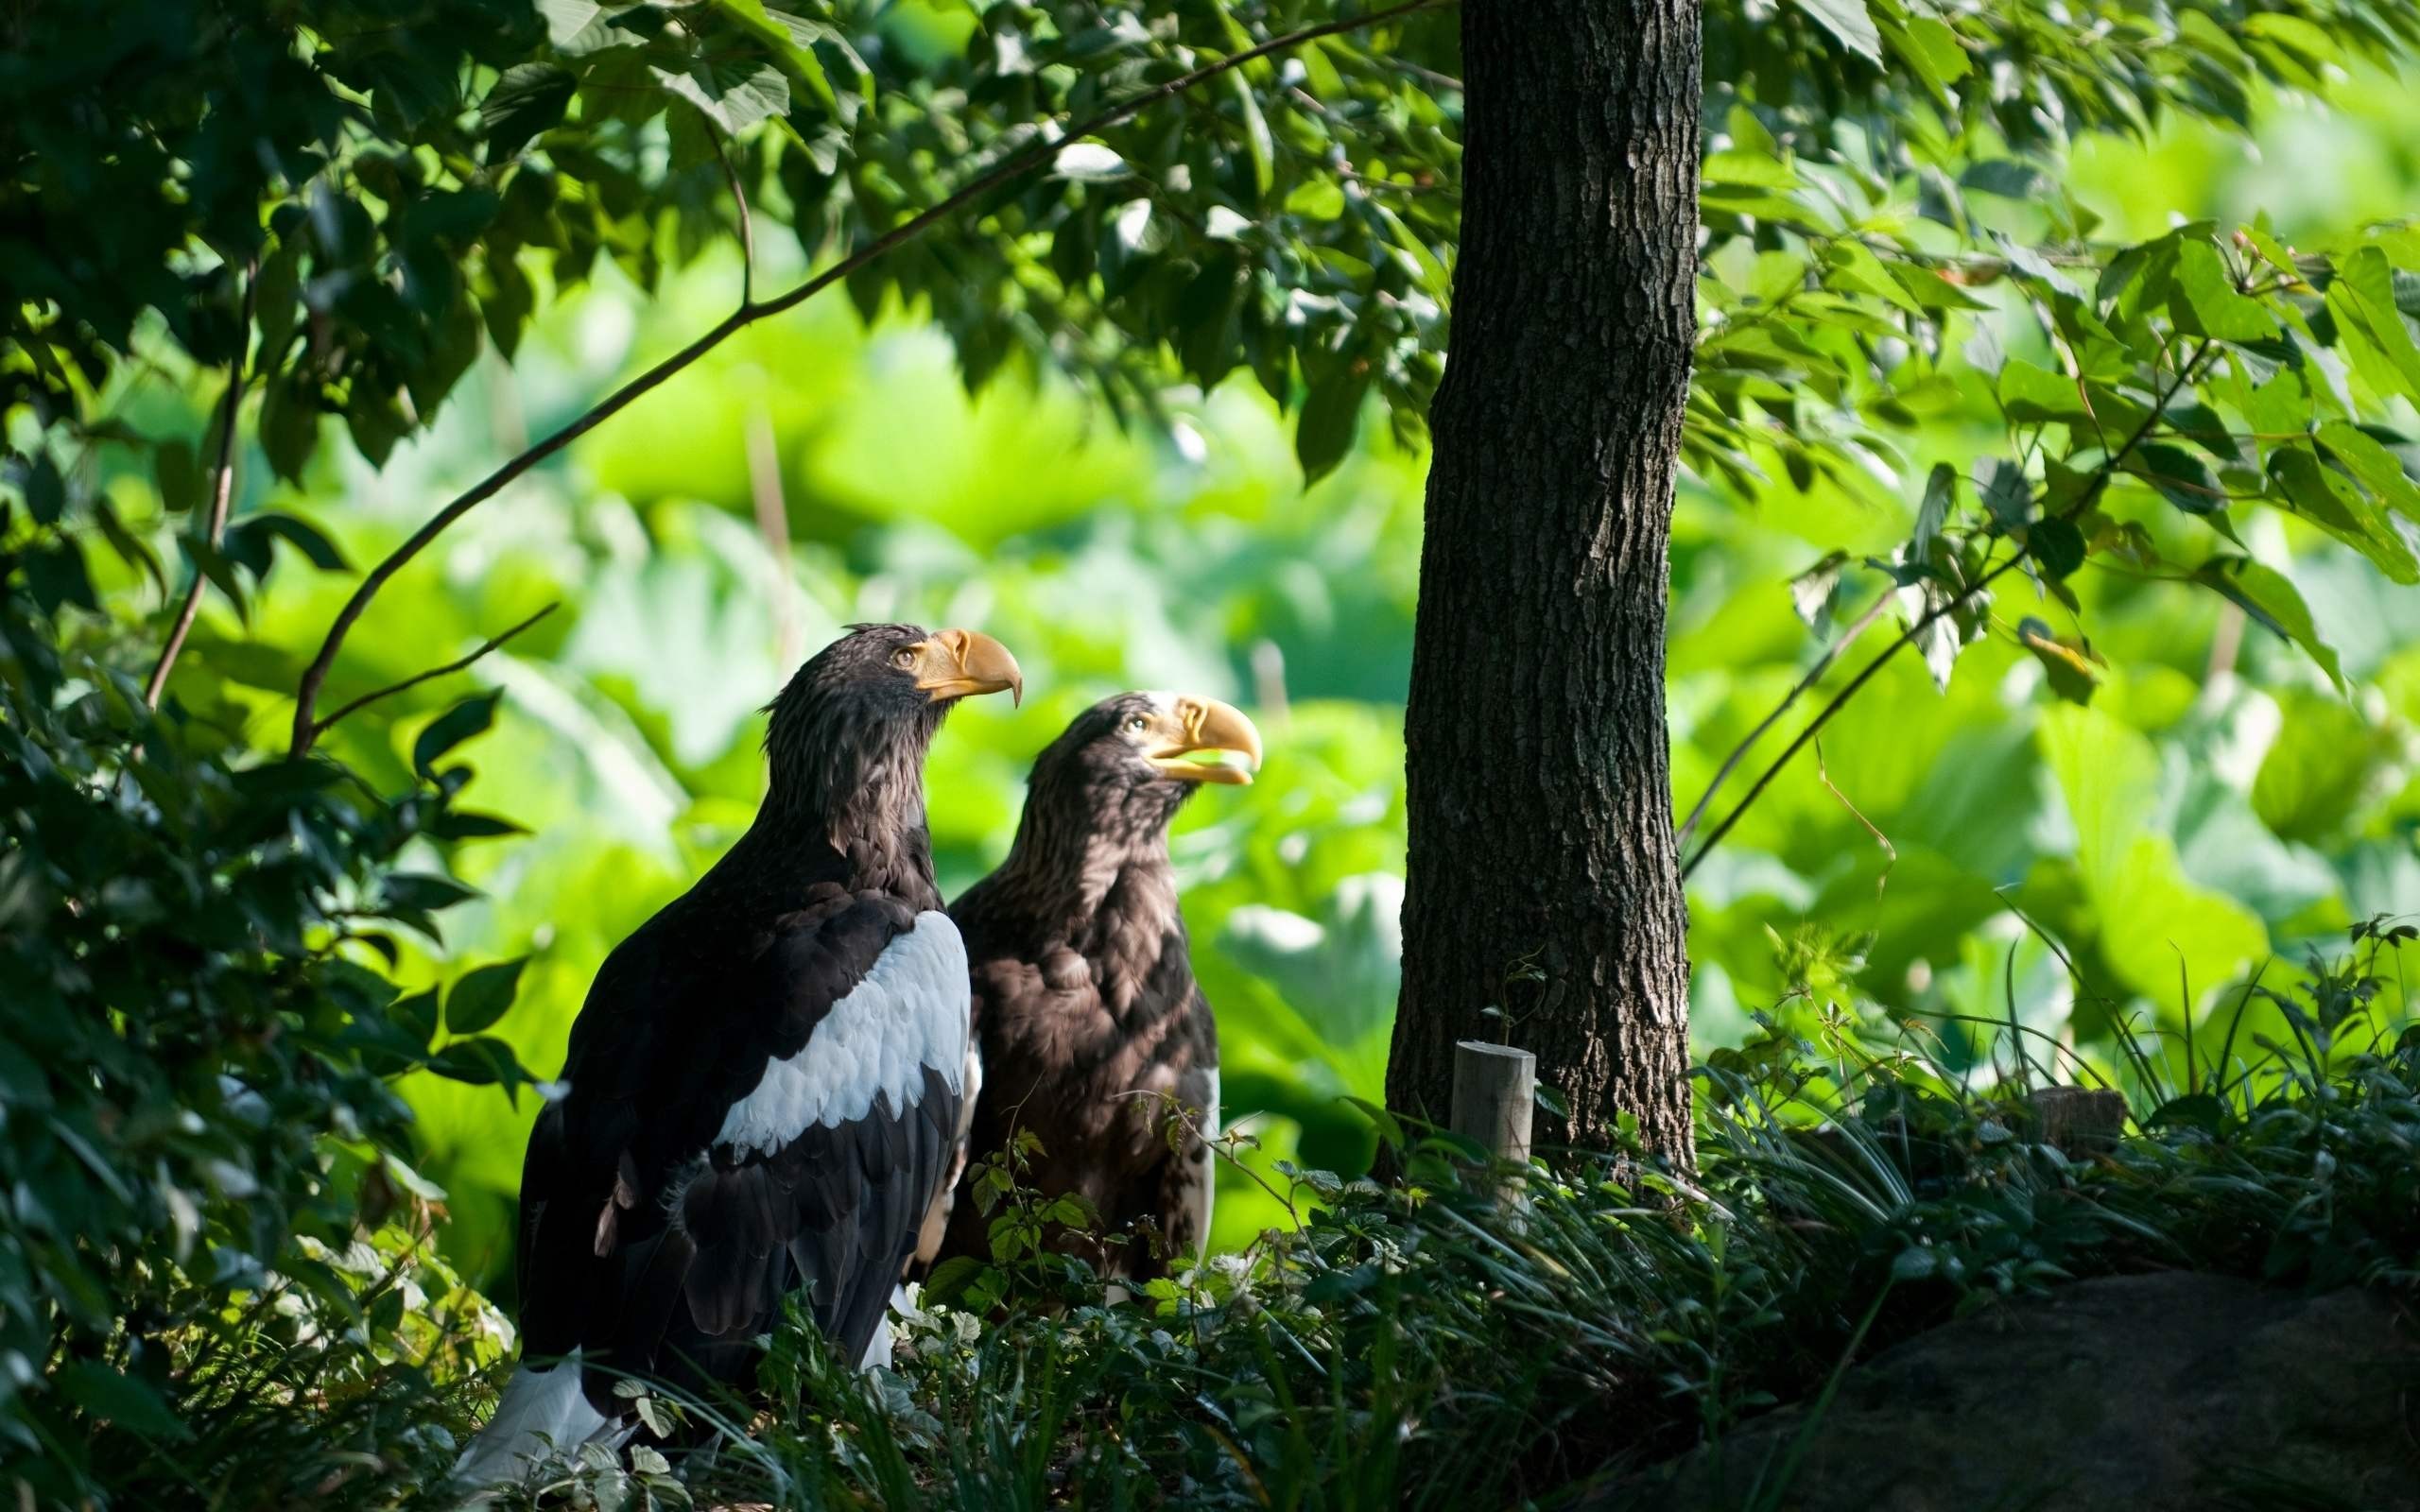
853, 788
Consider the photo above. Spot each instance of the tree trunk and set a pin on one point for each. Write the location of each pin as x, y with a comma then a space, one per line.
1543, 874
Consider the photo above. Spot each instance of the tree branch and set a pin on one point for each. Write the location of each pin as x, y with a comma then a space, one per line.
1014, 167
2092, 493
222, 492
1814, 675
418, 678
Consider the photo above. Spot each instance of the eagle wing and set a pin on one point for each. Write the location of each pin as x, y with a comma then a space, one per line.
731, 1137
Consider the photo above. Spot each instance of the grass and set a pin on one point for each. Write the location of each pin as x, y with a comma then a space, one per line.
1419, 1347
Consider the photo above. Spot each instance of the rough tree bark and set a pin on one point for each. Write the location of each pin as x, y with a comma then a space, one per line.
1542, 872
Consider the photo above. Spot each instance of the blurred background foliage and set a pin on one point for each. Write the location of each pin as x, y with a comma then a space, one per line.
2215, 802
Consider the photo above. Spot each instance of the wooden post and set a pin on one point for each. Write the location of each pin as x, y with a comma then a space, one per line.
2077, 1121
1494, 1093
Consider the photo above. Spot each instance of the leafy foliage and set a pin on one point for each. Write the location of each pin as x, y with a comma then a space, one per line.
1418, 1345
203, 1148
2138, 485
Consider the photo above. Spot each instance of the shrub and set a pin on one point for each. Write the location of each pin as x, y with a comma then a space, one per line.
206, 1206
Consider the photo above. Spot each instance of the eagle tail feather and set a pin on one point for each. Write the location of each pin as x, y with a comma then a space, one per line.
542, 1412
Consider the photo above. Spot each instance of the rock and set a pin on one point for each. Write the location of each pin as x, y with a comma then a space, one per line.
2167, 1393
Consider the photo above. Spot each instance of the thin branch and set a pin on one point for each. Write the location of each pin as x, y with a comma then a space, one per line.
1007, 170
223, 494
1814, 675
1949, 605
747, 221
418, 678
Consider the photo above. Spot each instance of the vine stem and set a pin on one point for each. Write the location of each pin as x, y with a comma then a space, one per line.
1015, 165
1814, 675
222, 494
418, 678
1865, 673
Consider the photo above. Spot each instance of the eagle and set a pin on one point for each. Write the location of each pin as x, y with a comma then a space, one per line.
765, 1089
1087, 1014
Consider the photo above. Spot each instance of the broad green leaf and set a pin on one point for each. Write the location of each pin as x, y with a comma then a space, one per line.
1256, 139
2363, 297
2057, 545
1941, 495
2274, 603
1849, 20
470, 717
2318, 770
735, 93
2143, 902
2331, 501
2005, 490
2183, 477
2070, 665
2212, 300
2379, 469
527, 99
2032, 395
1323, 432
483, 995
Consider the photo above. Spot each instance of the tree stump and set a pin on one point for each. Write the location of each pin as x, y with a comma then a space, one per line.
1496, 1089
2077, 1121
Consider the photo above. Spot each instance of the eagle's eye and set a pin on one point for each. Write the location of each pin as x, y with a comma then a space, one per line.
904, 657
1134, 724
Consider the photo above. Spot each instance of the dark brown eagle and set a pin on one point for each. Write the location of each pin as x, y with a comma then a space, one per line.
1085, 1007
766, 1087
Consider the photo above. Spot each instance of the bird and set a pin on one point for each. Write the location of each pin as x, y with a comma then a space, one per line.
1087, 1017
764, 1091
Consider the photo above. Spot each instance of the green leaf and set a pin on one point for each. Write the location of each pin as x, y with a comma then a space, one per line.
528, 98
470, 717
482, 1062
2056, 544
483, 995
949, 1280
2183, 478
178, 474
2270, 599
2331, 501
2072, 666
1323, 431
290, 427
733, 92
2318, 771
2212, 300
419, 890
300, 534
1256, 139
1849, 21
2379, 470
2005, 490
2363, 297
2033, 395
1941, 495
119, 1398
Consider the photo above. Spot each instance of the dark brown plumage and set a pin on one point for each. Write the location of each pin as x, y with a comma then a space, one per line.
764, 1083
1085, 1006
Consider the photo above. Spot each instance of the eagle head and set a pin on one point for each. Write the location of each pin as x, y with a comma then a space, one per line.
1136, 754
872, 700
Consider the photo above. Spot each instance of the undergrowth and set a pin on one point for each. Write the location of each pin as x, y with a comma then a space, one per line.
1418, 1345
1415, 1344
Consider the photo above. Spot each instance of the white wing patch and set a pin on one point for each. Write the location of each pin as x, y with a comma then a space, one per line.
909, 1012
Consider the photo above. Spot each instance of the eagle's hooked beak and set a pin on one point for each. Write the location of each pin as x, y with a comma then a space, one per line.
957, 663
1190, 726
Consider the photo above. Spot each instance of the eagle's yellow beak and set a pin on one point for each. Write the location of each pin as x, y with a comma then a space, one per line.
959, 663
1190, 726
